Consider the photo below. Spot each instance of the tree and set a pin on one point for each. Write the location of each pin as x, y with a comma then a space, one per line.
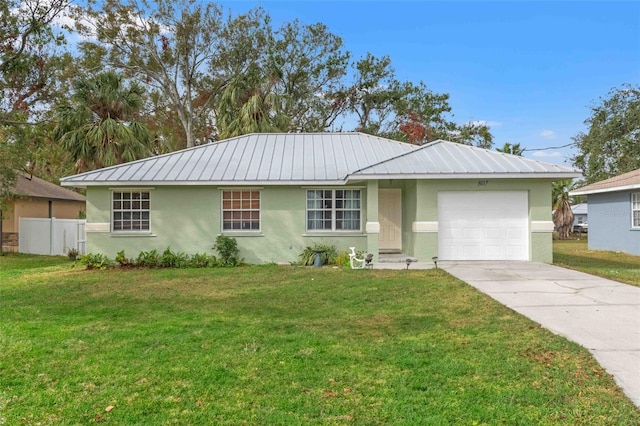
611, 145
170, 46
403, 110
421, 115
251, 107
27, 54
515, 149
373, 94
307, 63
472, 133
100, 126
29, 70
562, 213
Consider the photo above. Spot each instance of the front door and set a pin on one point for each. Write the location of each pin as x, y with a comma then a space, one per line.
390, 218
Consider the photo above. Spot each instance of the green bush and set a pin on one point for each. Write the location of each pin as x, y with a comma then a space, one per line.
123, 261
170, 259
329, 255
342, 258
227, 248
150, 259
203, 260
73, 254
95, 261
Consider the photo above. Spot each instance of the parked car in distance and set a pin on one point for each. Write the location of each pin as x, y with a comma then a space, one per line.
581, 227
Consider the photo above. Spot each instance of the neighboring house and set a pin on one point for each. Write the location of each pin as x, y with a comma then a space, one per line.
35, 197
579, 214
614, 213
279, 193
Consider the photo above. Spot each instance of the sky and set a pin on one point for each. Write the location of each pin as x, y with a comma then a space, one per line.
530, 70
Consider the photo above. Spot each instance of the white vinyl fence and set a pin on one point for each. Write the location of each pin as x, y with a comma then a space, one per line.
51, 236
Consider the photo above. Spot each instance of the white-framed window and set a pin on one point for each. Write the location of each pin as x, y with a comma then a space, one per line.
130, 211
580, 220
635, 210
334, 209
241, 210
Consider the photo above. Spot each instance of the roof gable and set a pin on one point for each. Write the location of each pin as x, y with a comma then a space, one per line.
621, 182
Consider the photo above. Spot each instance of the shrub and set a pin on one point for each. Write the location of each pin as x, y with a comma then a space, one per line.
72, 254
202, 260
122, 260
342, 258
170, 259
150, 259
95, 261
328, 256
227, 248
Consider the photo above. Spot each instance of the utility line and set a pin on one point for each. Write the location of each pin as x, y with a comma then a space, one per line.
551, 147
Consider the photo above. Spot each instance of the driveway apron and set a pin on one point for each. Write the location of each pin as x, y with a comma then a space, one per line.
599, 314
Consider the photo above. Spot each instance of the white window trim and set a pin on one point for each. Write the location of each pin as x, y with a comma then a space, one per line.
333, 229
124, 232
635, 198
255, 232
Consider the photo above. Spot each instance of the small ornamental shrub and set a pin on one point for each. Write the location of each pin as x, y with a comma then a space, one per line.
95, 261
342, 258
227, 248
123, 261
202, 260
329, 255
170, 259
149, 259
73, 254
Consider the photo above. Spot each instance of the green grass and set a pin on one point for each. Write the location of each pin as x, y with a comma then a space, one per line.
574, 254
281, 345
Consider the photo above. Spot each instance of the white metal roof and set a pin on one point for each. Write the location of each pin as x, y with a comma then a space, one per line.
447, 160
310, 158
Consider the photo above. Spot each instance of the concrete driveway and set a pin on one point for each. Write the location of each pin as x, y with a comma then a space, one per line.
599, 314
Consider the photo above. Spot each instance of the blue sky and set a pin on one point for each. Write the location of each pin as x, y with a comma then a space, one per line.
529, 69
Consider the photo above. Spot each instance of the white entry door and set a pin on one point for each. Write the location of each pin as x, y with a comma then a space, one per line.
390, 218
483, 225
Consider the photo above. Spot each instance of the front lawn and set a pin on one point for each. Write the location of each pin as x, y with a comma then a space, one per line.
574, 254
281, 345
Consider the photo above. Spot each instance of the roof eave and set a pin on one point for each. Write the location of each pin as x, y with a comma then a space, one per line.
203, 183
603, 190
434, 176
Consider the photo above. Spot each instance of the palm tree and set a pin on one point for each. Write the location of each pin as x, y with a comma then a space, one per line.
562, 213
99, 126
512, 149
250, 104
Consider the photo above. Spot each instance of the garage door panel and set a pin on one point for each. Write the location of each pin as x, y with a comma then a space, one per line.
491, 225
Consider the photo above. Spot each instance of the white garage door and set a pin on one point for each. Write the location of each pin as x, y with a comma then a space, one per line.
483, 225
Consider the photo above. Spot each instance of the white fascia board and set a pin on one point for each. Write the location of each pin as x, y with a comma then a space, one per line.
612, 189
84, 184
540, 175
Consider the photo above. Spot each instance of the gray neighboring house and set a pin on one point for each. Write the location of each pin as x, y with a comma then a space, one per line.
579, 213
614, 213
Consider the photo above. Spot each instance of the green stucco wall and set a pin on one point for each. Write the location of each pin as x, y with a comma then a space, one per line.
425, 244
188, 219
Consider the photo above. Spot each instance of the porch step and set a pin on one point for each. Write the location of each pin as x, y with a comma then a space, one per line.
394, 258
